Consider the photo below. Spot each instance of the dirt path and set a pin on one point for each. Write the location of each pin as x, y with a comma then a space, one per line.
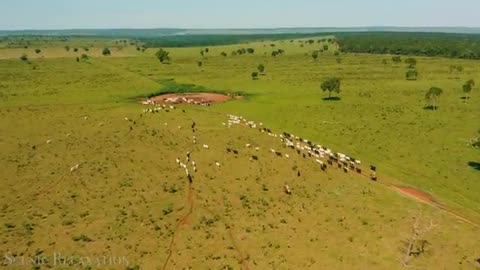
421, 196
183, 220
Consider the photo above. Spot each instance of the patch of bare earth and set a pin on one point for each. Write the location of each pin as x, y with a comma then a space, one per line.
192, 98
417, 194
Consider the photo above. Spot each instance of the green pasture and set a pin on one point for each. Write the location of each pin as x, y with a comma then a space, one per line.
128, 194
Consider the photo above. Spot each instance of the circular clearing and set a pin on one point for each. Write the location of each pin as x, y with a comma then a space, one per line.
191, 98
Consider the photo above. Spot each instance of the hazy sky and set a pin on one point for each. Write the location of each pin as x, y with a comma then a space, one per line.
61, 14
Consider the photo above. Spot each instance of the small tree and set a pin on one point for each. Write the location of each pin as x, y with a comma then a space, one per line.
274, 53
75, 49
202, 53
411, 75
24, 57
261, 68
384, 61
199, 63
315, 55
325, 47
224, 54
468, 86
254, 75
331, 85
412, 62
37, 50
67, 48
106, 52
396, 59
84, 57
250, 50
162, 55
432, 96
206, 50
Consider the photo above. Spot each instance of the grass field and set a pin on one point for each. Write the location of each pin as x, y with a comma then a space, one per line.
128, 195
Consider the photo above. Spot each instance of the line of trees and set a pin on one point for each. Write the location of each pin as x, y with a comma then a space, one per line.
466, 46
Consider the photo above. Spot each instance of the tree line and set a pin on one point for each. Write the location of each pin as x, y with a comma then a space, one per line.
465, 46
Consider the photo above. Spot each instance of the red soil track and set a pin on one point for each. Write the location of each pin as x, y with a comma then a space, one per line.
417, 194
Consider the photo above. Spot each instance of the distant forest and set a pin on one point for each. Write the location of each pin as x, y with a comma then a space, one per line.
211, 40
465, 46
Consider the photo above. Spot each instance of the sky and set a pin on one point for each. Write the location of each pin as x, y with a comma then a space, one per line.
68, 14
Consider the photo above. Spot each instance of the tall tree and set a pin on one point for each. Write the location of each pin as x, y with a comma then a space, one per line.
106, 52
331, 85
432, 96
162, 55
261, 68
468, 86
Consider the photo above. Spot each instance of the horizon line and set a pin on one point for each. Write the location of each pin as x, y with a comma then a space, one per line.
234, 28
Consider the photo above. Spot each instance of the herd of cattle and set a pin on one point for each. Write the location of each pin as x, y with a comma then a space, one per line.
178, 100
323, 156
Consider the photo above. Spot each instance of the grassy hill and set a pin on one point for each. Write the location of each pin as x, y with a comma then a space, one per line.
129, 199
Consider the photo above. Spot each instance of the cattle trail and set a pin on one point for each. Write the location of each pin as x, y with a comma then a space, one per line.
182, 221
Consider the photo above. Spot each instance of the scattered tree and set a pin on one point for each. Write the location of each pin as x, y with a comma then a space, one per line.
37, 50
325, 47
467, 87
416, 245
458, 68
162, 55
206, 50
384, 61
261, 68
315, 55
331, 85
250, 50
24, 57
199, 63
411, 75
84, 57
412, 62
67, 48
106, 52
396, 59
224, 54
202, 52
75, 49
254, 75
432, 96
78, 59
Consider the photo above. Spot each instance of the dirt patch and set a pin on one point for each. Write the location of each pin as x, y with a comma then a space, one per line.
417, 194
192, 98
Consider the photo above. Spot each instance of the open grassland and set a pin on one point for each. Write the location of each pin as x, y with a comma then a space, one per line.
129, 197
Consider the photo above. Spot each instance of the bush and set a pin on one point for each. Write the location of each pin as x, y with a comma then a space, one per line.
106, 52
24, 57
